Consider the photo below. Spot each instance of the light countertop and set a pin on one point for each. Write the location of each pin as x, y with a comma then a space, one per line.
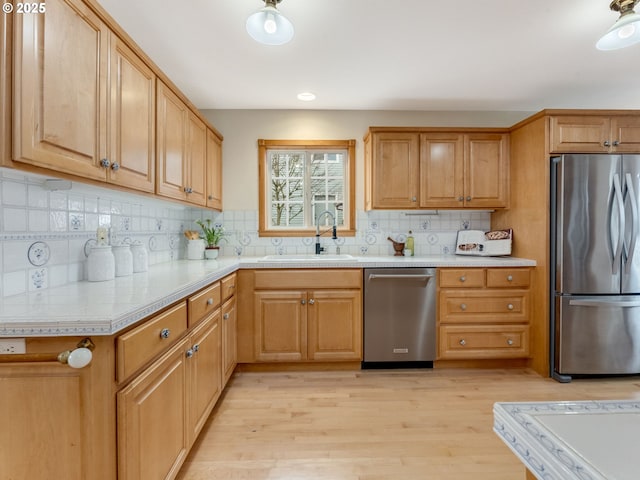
104, 308
591, 440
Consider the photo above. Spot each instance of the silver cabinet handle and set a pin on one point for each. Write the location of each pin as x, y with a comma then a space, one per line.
164, 333
463, 278
188, 190
414, 199
460, 198
312, 301
606, 143
210, 197
105, 163
209, 301
463, 306
468, 199
616, 143
510, 306
462, 342
189, 353
303, 302
509, 278
115, 166
225, 316
196, 347
509, 341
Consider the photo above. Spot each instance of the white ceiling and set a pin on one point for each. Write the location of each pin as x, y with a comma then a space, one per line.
494, 55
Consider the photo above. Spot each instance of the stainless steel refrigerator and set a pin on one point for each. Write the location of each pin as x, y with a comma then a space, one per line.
595, 281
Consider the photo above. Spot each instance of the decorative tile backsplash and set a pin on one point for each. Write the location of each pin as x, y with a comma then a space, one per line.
45, 235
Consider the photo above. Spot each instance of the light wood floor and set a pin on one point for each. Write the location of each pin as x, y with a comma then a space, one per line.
374, 425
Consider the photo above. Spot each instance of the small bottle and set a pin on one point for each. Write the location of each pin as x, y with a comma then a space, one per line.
409, 244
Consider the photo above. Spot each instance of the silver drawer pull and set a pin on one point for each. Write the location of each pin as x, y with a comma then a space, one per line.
311, 301
463, 278
303, 302
189, 353
463, 306
225, 316
509, 278
462, 342
509, 341
196, 347
510, 306
164, 333
209, 301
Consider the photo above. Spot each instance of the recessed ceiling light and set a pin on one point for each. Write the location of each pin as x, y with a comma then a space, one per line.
306, 96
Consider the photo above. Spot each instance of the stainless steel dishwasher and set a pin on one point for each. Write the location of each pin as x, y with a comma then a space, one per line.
399, 317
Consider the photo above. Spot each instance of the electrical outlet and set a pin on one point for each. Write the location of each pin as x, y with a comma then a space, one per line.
12, 345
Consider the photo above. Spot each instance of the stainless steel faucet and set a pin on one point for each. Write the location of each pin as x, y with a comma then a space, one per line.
320, 249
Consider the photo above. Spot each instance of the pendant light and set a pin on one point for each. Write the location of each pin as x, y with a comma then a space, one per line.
626, 30
269, 26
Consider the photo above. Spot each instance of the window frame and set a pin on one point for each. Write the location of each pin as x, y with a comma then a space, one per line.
264, 229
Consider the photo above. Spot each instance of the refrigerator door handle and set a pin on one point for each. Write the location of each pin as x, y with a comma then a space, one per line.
604, 303
634, 225
617, 194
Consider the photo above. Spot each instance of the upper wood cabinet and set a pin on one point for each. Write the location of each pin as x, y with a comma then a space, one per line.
84, 103
436, 168
390, 170
594, 134
214, 171
182, 150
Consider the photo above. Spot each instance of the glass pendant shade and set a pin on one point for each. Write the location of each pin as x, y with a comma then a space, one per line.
269, 26
625, 32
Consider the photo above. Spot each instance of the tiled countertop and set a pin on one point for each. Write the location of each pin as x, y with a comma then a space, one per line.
592, 440
104, 308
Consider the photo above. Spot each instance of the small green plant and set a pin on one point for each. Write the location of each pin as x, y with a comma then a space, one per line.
212, 234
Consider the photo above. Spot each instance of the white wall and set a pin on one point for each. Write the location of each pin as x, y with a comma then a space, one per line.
242, 128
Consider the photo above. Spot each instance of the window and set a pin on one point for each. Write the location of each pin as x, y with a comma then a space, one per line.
301, 179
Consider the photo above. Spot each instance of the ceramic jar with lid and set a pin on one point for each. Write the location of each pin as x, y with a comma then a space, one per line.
123, 259
140, 257
101, 264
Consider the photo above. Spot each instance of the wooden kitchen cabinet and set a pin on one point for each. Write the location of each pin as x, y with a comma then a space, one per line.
84, 103
464, 170
483, 313
304, 316
594, 134
391, 167
229, 338
214, 171
429, 168
182, 150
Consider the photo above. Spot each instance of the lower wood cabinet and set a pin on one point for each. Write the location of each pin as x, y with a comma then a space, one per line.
303, 315
229, 338
483, 313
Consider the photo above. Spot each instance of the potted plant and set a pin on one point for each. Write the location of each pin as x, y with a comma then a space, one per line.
212, 236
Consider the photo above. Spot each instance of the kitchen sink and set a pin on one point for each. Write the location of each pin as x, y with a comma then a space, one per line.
308, 258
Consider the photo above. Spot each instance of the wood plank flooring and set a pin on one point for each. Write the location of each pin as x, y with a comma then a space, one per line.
374, 424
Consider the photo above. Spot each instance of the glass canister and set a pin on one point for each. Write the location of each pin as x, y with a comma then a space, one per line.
101, 264
140, 257
124, 260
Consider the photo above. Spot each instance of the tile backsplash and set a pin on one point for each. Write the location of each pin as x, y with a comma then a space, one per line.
46, 227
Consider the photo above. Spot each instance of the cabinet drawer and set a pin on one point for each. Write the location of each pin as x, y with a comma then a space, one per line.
484, 306
203, 303
228, 286
483, 341
139, 346
298, 279
467, 277
508, 277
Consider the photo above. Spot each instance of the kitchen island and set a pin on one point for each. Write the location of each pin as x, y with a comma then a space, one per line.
588, 440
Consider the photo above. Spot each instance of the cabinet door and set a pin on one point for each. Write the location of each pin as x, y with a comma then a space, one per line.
205, 373
131, 120
172, 144
229, 339
395, 170
152, 419
625, 134
280, 326
486, 172
580, 134
335, 325
60, 75
441, 170
214, 171
196, 160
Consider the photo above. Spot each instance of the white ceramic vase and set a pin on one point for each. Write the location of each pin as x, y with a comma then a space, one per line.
211, 253
195, 249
